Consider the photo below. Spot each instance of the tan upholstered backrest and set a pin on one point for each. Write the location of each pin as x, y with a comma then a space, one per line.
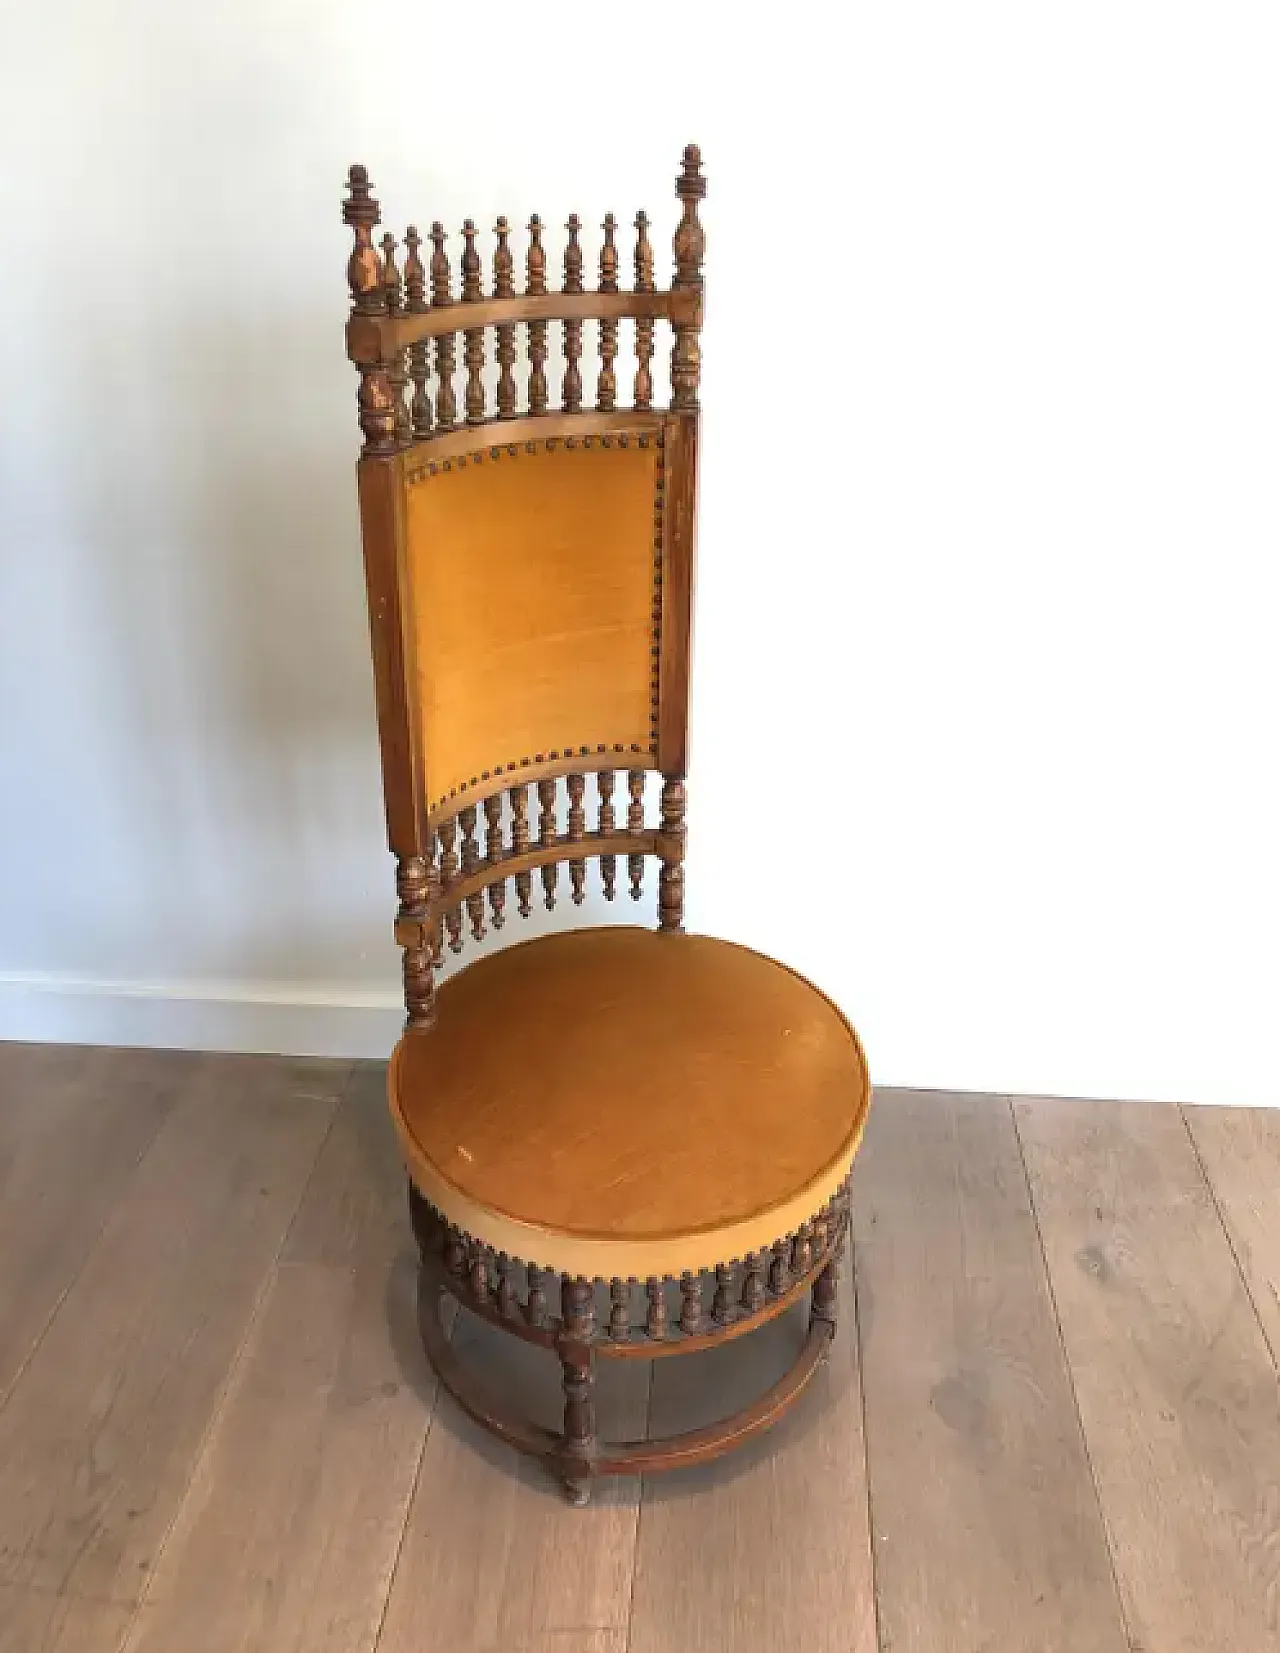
533, 594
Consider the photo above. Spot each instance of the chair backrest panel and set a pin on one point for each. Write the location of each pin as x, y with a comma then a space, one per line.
529, 566
532, 582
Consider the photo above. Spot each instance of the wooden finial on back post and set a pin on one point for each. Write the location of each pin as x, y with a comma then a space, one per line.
376, 400
690, 248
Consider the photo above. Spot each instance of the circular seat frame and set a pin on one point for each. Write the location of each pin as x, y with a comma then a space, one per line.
678, 1319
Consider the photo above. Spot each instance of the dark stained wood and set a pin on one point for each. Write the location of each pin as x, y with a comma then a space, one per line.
677, 551
607, 384
413, 884
606, 827
571, 388
643, 392
547, 837
495, 851
470, 867
504, 287
577, 787
987, 1528
690, 248
519, 796
473, 353
635, 825
671, 850
536, 288
1174, 1380
446, 342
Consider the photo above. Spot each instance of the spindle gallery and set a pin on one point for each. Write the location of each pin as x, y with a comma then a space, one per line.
622, 1142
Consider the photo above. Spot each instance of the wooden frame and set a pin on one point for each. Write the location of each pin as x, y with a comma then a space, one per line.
454, 853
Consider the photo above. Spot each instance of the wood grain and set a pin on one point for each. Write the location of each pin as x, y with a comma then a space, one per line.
986, 1526
40, 1621
1239, 1151
100, 1433
1175, 1383
289, 1534
74, 1124
494, 1557
767, 1549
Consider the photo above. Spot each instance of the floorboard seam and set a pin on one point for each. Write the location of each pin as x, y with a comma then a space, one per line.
1109, 1541
635, 1551
1226, 1229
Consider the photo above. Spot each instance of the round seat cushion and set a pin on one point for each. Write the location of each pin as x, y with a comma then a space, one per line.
625, 1103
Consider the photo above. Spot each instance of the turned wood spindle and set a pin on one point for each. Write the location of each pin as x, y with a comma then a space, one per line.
547, 835
535, 1308
608, 863
571, 391
644, 324
671, 875
578, 1309
455, 1254
504, 286
470, 864
753, 1292
478, 1274
690, 1304
779, 1271
635, 825
446, 401
473, 347
508, 1308
577, 831
397, 364
536, 283
656, 1325
607, 384
448, 876
519, 796
690, 246
374, 400
825, 1290
722, 1303
801, 1252
414, 887
495, 852
620, 1310
819, 1231
415, 286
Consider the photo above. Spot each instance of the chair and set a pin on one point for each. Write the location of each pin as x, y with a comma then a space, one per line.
621, 1142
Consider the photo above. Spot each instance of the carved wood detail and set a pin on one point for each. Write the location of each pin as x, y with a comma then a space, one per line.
635, 823
547, 835
470, 865
446, 401
519, 796
608, 863
643, 395
571, 389
536, 284
671, 876
690, 247
656, 1319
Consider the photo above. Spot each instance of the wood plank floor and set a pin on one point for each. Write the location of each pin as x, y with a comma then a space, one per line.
1050, 1423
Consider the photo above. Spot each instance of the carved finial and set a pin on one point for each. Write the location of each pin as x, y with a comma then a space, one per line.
446, 401
364, 270
473, 352
607, 385
573, 256
440, 273
470, 265
415, 286
690, 246
644, 324
503, 263
415, 274
609, 256
536, 284
504, 287
536, 259
391, 276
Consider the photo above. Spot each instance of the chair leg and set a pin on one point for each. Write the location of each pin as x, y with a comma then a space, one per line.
579, 1419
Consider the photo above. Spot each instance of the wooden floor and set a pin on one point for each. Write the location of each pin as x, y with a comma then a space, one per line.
1050, 1422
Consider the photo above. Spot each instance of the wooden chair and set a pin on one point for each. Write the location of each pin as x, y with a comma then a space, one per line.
621, 1142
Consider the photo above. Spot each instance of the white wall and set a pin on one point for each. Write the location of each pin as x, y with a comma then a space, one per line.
986, 683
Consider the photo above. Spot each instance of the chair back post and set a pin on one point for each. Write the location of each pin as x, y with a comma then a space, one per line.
455, 496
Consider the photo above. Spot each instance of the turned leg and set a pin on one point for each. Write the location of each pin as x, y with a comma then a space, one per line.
578, 1370
826, 1285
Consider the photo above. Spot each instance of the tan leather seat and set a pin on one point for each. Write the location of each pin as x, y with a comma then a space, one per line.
530, 1112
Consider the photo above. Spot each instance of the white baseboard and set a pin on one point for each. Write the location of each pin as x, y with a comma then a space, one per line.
279, 1018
